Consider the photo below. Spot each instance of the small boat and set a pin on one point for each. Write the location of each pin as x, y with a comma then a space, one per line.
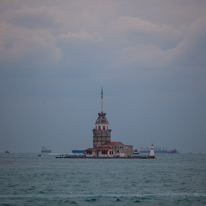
7, 151
39, 155
135, 152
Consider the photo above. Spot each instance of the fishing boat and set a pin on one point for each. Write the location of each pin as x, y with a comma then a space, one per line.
7, 151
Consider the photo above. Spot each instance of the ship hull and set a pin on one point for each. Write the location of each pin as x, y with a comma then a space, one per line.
78, 151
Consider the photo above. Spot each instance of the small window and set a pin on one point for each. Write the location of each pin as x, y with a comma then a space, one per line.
103, 127
99, 127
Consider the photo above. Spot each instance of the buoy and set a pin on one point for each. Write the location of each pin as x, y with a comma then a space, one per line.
152, 152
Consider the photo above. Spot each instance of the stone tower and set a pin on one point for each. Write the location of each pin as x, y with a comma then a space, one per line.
101, 133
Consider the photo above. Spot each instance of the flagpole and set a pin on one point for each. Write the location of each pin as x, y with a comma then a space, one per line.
101, 100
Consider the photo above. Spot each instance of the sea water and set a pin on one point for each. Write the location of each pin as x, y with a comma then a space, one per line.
170, 179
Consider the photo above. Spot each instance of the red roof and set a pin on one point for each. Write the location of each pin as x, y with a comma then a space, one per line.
89, 149
98, 148
103, 148
110, 143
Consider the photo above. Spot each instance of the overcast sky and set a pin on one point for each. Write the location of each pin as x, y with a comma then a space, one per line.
148, 55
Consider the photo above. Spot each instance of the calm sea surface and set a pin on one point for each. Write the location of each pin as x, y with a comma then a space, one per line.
171, 179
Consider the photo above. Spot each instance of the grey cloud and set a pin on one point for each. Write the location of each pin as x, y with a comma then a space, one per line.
35, 18
134, 31
25, 45
192, 49
79, 37
188, 44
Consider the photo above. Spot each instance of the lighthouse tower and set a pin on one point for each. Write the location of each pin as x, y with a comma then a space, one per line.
152, 152
101, 133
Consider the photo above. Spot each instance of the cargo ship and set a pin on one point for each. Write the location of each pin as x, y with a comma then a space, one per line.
45, 150
158, 150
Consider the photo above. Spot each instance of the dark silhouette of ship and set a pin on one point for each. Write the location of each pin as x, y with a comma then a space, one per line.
158, 150
45, 150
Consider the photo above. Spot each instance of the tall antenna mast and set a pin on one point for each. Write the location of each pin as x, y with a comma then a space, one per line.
101, 100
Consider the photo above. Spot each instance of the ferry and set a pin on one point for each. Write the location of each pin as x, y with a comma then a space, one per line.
135, 152
45, 150
78, 152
